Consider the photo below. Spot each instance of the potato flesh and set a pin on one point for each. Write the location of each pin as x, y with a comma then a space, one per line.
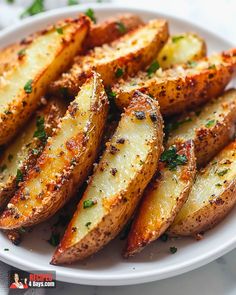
69, 128
104, 185
189, 47
215, 111
209, 185
37, 57
17, 153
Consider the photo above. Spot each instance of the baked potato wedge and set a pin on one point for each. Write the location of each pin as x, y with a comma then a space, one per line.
21, 154
163, 198
111, 29
65, 162
9, 56
182, 87
211, 127
212, 196
44, 59
123, 57
179, 49
114, 190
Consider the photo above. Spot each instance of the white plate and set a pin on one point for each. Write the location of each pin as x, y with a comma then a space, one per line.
107, 267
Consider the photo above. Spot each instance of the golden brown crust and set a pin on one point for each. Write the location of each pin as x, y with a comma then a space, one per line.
61, 168
15, 111
178, 90
149, 223
118, 207
111, 29
108, 59
218, 205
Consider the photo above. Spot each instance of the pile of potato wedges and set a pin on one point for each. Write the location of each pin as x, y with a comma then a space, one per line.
140, 119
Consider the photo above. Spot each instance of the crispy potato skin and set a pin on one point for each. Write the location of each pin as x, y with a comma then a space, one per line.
29, 207
150, 223
18, 109
52, 113
108, 59
181, 48
213, 210
121, 204
179, 92
109, 30
209, 141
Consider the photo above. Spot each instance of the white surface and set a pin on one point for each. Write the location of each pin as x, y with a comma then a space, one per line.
186, 284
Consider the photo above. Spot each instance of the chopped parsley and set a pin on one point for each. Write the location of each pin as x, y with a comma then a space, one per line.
212, 67
172, 159
164, 238
10, 157
59, 31
119, 73
21, 53
3, 167
19, 176
210, 123
153, 68
6, 249
36, 7
110, 94
40, 132
90, 13
173, 250
175, 39
54, 239
223, 172
88, 203
28, 86
192, 63
88, 223
121, 27
175, 125
22, 230
73, 2
35, 152
10, 1
218, 185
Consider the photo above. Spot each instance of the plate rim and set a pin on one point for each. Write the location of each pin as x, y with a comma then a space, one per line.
72, 276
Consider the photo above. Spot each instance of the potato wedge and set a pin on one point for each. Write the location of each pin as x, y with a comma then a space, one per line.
44, 59
111, 29
123, 57
163, 199
211, 128
180, 49
183, 87
104, 32
213, 195
65, 162
23, 152
113, 192
9, 56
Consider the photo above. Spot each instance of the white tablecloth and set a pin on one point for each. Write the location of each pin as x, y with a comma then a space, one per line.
218, 277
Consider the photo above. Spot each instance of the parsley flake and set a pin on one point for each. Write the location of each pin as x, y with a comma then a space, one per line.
172, 159
121, 27
223, 172
173, 250
175, 39
40, 132
36, 7
19, 176
54, 239
164, 238
72, 2
88, 203
119, 73
210, 123
153, 68
28, 86
59, 31
192, 63
212, 67
88, 223
21, 53
90, 13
